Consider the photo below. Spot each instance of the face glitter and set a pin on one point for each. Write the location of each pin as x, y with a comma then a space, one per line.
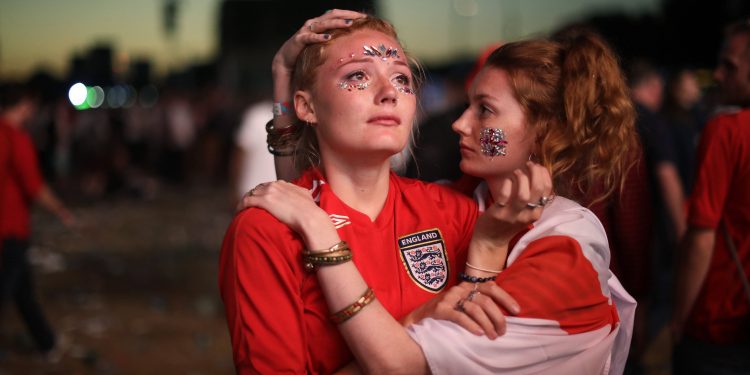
492, 141
349, 86
381, 51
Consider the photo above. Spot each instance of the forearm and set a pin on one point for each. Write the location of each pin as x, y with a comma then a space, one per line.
379, 343
692, 267
674, 197
282, 95
47, 199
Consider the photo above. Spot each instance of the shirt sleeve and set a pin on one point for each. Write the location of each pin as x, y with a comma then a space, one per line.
260, 287
713, 177
26, 167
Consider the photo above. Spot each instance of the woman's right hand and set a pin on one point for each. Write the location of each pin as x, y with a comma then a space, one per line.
313, 31
474, 307
294, 206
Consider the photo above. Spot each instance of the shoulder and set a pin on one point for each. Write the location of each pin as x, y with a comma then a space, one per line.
258, 223
568, 218
570, 231
729, 121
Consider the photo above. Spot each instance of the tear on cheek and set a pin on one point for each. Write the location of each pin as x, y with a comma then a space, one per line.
492, 142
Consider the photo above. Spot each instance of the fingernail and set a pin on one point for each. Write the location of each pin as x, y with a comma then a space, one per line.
328, 11
326, 36
347, 21
516, 309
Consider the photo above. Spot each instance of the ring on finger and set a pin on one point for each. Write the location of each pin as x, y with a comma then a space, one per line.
472, 294
544, 200
460, 305
531, 205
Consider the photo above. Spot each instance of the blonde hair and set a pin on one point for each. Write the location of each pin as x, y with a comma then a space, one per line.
574, 96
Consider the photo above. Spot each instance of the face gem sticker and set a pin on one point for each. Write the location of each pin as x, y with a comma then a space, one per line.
381, 51
492, 141
349, 86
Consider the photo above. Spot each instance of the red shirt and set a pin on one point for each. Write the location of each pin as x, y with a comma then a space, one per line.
277, 314
21, 182
722, 313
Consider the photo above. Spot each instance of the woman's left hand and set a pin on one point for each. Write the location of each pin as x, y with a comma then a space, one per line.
475, 307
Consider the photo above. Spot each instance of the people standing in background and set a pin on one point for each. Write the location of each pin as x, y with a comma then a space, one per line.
685, 119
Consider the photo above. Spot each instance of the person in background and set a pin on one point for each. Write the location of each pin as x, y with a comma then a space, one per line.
711, 317
22, 185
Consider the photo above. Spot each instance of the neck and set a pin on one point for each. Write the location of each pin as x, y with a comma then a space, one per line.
360, 184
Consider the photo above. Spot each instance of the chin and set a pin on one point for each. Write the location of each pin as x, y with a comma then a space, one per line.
470, 168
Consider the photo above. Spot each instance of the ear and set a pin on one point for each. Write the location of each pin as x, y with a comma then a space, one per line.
304, 107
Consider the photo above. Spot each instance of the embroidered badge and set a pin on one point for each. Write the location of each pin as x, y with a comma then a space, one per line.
424, 257
339, 220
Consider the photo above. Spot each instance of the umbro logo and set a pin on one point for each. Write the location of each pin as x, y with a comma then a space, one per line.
339, 220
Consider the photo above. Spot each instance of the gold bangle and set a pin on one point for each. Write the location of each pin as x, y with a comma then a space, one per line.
348, 312
336, 254
337, 247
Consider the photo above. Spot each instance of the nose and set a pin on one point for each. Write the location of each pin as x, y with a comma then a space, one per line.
387, 93
461, 125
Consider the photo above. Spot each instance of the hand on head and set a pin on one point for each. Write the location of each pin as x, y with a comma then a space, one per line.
313, 31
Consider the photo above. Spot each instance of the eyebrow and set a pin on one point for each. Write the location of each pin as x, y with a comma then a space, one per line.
370, 59
486, 97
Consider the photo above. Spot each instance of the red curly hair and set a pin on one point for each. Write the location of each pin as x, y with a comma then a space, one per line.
574, 95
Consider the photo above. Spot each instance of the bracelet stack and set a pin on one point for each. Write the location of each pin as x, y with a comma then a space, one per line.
281, 141
348, 312
336, 254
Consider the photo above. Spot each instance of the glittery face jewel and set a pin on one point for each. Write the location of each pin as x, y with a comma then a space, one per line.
381, 51
350, 86
493, 143
404, 89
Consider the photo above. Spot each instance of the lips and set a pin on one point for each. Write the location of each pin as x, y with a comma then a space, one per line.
384, 120
466, 148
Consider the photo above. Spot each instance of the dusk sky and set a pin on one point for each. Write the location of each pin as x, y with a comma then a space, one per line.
45, 33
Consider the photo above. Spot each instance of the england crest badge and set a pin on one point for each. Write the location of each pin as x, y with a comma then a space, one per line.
424, 257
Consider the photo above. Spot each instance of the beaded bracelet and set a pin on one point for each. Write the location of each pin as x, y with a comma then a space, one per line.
475, 279
348, 312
